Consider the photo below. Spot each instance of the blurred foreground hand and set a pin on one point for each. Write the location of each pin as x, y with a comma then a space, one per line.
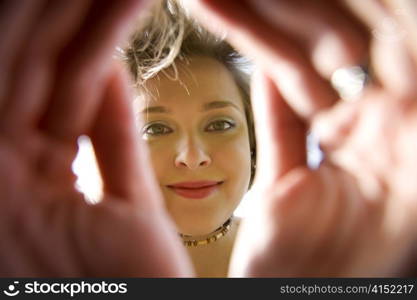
59, 81
356, 214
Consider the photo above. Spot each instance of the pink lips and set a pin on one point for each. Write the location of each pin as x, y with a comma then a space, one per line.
195, 189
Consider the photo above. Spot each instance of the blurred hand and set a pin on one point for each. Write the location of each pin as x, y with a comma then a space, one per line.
59, 81
355, 215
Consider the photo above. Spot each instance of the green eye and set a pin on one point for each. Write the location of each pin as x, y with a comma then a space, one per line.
220, 125
156, 129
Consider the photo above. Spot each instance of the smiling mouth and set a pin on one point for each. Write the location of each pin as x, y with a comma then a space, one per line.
196, 189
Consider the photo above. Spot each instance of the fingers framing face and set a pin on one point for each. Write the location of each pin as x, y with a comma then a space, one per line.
68, 52
16, 20
293, 55
33, 65
122, 156
84, 65
326, 30
280, 133
407, 16
392, 43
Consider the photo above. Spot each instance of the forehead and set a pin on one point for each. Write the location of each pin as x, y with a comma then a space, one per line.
201, 80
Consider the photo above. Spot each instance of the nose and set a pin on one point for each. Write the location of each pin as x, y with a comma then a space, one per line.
192, 156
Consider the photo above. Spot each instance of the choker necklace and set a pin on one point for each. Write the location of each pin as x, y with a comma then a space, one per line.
217, 234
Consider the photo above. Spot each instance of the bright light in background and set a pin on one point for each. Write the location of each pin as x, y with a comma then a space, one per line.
349, 82
314, 154
88, 176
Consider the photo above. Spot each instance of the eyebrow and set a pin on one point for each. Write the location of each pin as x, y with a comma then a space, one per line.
155, 109
206, 106
219, 104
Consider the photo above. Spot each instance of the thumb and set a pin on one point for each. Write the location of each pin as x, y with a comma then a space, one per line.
280, 133
122, 157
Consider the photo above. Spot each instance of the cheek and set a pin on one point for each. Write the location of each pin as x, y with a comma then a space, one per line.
234, 161
233, 157
161, 157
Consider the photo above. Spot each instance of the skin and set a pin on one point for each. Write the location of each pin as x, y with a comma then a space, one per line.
356, 214
46, 227
190, 143
347, 229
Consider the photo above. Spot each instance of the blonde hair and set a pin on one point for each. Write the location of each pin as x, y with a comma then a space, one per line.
168, 35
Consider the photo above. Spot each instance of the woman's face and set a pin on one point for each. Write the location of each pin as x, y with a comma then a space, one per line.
197, 134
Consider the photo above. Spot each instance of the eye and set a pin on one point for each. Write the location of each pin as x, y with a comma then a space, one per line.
220, 125
156, 129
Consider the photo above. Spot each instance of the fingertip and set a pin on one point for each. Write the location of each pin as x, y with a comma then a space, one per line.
331, 127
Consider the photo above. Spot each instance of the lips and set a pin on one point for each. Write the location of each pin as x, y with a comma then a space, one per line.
195, 189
